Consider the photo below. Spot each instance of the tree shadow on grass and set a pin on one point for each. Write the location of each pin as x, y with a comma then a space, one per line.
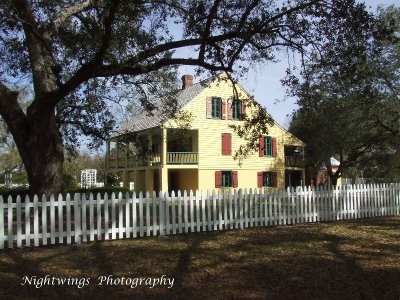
293, 262
13, 283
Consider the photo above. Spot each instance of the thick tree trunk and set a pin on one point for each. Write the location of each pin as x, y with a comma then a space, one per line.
38, 140
43, 155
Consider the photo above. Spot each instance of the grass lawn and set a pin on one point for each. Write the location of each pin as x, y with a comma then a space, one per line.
357, 259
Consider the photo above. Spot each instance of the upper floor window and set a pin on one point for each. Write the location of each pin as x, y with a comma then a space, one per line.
268, 146
216, 107
237, 107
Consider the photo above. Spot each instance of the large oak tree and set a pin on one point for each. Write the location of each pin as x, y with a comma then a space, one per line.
348, 97
77, 55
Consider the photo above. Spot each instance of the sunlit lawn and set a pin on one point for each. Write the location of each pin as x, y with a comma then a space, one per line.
357, 259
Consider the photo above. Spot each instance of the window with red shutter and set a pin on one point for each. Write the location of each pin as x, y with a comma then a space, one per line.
261, 147
218, 179
266, 179
266, 146
260, 179
235, 179
226, 144
243, 110
208, 108
230, 109
223, 115
274, 147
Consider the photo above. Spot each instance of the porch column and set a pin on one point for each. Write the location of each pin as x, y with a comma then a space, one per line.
164, 147
164, 179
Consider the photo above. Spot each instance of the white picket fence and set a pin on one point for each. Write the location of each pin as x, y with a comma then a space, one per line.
81, 219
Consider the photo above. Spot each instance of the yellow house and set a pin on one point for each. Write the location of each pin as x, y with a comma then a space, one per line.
194, 148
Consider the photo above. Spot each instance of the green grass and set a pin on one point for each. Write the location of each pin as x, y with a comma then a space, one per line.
357, 259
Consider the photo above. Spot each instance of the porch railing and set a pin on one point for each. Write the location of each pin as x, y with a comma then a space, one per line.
173, 158
293, 161
182, 158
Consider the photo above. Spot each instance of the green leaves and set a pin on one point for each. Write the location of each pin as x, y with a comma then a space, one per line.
347, 95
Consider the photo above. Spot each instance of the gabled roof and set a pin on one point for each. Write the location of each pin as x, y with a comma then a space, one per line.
145, 120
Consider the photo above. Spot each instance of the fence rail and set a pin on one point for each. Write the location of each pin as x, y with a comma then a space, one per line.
35, 222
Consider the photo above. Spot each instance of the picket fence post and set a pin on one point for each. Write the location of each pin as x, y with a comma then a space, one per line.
10, 231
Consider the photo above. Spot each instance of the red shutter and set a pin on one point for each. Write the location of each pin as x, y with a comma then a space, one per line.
223, 147
243, 110
226, 144
274, 179
209, 107
262, 146
218, 179
229, 143
223, 109
274, 149
259, 179
230, 110
235, 179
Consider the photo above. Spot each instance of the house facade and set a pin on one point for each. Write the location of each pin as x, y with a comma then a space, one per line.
194, 149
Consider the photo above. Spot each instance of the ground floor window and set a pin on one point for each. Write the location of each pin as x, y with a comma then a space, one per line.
267, 179
226, 179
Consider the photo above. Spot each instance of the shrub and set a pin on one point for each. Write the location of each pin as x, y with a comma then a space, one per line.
14, 192
102, 190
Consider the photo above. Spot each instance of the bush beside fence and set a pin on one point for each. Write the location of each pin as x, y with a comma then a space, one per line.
67, 220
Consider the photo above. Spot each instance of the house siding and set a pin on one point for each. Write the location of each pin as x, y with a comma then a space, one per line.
209, 146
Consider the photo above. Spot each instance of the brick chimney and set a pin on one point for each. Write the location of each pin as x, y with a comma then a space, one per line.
187, 80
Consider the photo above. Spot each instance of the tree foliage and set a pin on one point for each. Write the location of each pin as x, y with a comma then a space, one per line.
348, 94
81, 57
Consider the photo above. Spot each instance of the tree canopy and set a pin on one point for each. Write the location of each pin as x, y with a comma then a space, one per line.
349, 101
80, 57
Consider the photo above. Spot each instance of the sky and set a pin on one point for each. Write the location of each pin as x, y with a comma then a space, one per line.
264, 81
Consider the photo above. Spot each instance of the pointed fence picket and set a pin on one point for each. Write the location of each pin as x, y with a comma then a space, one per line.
79, 218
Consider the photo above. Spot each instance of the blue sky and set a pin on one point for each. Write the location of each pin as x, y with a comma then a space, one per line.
264, 81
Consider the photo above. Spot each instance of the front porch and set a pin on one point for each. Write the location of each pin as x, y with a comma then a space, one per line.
153, 148
162, 179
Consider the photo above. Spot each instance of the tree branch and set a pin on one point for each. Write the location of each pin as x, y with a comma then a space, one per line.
207, 29
68, 12
13, 115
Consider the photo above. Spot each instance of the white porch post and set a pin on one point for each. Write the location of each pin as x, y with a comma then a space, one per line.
164, 170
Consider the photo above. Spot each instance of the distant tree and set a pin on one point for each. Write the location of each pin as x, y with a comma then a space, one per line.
10, 161
112, 180
74, 164
348, 94
78, 55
